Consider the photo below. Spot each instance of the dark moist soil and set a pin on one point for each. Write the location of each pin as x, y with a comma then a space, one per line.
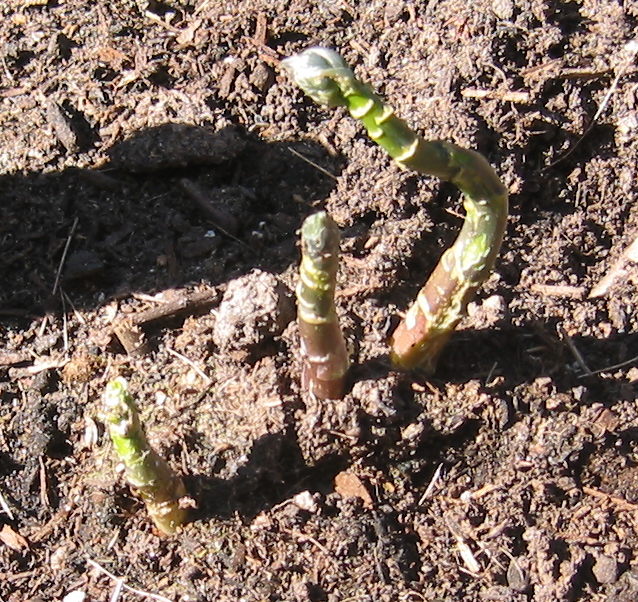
156, 166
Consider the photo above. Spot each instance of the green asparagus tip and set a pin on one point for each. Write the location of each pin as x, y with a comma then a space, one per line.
148, 473
318, 234
120, 410
320, 73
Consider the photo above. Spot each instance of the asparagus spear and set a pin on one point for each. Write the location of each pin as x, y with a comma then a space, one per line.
146, 471
322, 343
324, 76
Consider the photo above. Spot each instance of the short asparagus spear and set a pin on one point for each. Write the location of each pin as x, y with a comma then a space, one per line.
442, 302
146, 471
322, 343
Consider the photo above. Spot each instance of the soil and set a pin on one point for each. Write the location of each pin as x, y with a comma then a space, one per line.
156, 166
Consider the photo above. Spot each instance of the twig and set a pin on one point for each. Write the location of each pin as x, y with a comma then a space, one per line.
128, 588
128, 329
617, 270
432, 484
183, 301
65, 322
491, 372
325, 172
60, 517
223, 221
302, 538
5, 507
44, 486
572, 347
613, 367
515, 96
76, 313
559, 290
621, 503
191, 363
37, 367
472, 565
117, 591
43, 326
64, 254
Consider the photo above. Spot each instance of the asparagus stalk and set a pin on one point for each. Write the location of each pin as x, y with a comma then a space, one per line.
322, 342
146, 471
324, 76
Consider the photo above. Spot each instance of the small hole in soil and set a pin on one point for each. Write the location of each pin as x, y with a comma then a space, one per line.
65, 45
284, 38
162, 77
556, 51
58, 446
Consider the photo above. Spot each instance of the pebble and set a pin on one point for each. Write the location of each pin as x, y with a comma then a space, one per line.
605, 569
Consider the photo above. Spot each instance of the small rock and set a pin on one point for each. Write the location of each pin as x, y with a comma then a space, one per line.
517, 577
488, 313
83, 264
305, 501
261, 77
605, 569
626, 589
75, 596
349, 486
46, 342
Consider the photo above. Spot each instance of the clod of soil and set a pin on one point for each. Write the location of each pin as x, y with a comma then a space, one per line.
255, 308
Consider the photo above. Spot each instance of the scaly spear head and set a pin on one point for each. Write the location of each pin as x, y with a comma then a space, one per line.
119, 408
322, 74
148, 473
320, 241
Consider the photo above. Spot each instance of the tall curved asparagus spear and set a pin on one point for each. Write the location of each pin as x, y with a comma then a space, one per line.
324, 76
322, 342
158, 486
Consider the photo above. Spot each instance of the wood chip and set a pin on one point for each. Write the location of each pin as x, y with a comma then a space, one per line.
61, 126
559, 290
515, 96
261, 30
11, 358
350, 486
13, 539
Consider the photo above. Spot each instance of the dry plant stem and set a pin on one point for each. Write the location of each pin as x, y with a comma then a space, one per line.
146, 471
129, 329
322, 343
442, 302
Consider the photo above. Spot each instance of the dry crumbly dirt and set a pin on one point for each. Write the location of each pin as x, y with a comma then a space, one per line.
156, 152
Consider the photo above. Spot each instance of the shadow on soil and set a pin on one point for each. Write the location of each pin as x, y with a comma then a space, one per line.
178, 204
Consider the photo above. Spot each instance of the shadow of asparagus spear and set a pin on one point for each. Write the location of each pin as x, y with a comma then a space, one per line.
324, 76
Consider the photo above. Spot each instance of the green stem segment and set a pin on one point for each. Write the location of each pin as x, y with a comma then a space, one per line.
146, 471
442, 302
322, 342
